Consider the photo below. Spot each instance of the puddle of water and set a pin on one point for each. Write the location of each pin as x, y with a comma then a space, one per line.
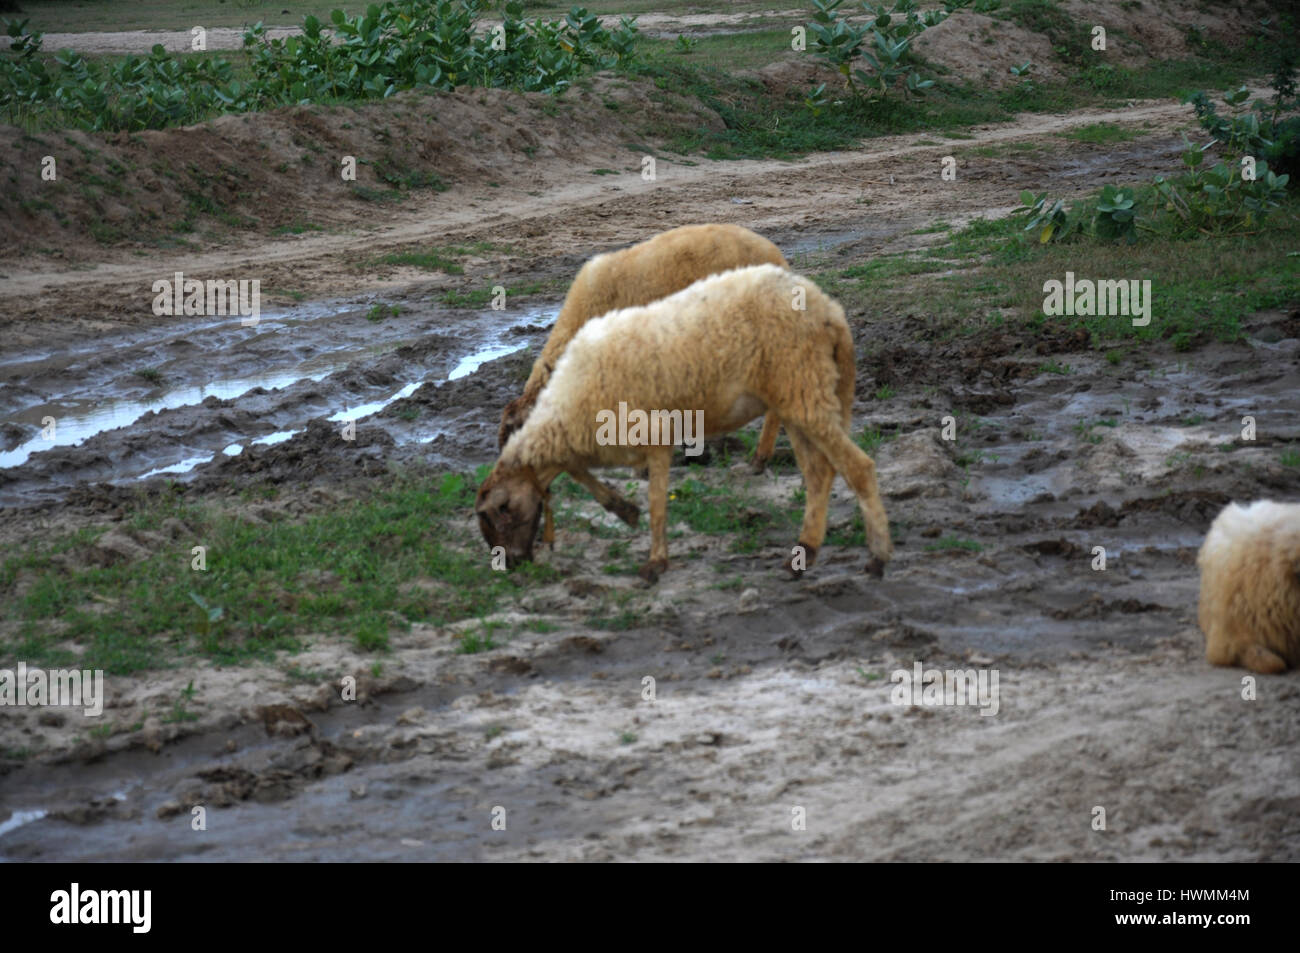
78, 421
18, 819
374, 407
280, 436
1016, 490
825, 241
468, 365
183, 467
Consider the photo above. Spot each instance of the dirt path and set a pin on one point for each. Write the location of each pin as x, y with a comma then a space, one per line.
882, 190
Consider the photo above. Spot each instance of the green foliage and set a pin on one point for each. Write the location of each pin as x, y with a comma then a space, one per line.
1116, 215
1049, 219
1223, 197
882, 43
1234, 195
816, 100
133, 93
394, 46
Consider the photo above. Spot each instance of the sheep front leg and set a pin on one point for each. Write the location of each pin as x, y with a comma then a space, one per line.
659, 459
608, 497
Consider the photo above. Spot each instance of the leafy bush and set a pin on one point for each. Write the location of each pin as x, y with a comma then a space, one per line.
1048, 218
1236, 194
1116, 215
399, 45
1220, 198
882, 43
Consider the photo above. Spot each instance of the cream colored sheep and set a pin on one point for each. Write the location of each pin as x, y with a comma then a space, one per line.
1250, 587
646, 272
729, 347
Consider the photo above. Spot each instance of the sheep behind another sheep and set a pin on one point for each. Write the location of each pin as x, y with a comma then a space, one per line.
646, 272
1250, 587
732, 347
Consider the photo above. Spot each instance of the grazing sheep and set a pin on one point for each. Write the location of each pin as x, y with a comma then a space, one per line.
1250, 587
795, 363
646, 272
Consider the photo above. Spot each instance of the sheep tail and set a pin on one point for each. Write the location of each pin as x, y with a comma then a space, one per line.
846, 361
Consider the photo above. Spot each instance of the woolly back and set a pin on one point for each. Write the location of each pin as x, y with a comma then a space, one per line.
1237, 523
684, 339
669, 262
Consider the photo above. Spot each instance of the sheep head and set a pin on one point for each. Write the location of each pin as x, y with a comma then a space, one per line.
509, 506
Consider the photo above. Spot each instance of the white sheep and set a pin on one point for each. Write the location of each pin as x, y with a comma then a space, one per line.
1250, 587
730, 347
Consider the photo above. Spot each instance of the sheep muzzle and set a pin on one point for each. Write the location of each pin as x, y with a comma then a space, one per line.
509, 508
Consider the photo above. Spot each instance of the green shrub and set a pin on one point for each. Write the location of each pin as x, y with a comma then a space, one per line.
394, 46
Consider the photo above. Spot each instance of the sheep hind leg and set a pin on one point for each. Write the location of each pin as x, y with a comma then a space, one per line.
818, 476
659, 460
608, 497
859, 471
766, 441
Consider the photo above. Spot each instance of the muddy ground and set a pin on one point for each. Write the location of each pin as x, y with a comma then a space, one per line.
770, 695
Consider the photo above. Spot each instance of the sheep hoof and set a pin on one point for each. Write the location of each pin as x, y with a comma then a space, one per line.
807, 558
759, 466
875, 567
629, 513
1259, 659
652, 570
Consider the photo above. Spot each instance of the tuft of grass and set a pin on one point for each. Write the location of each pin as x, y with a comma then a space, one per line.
1101, 132
721, 510
297, 228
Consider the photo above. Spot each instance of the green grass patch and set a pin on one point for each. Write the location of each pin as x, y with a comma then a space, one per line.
718, 510
297, 228
1101, 132
478, 297
1200, 287
345, 571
